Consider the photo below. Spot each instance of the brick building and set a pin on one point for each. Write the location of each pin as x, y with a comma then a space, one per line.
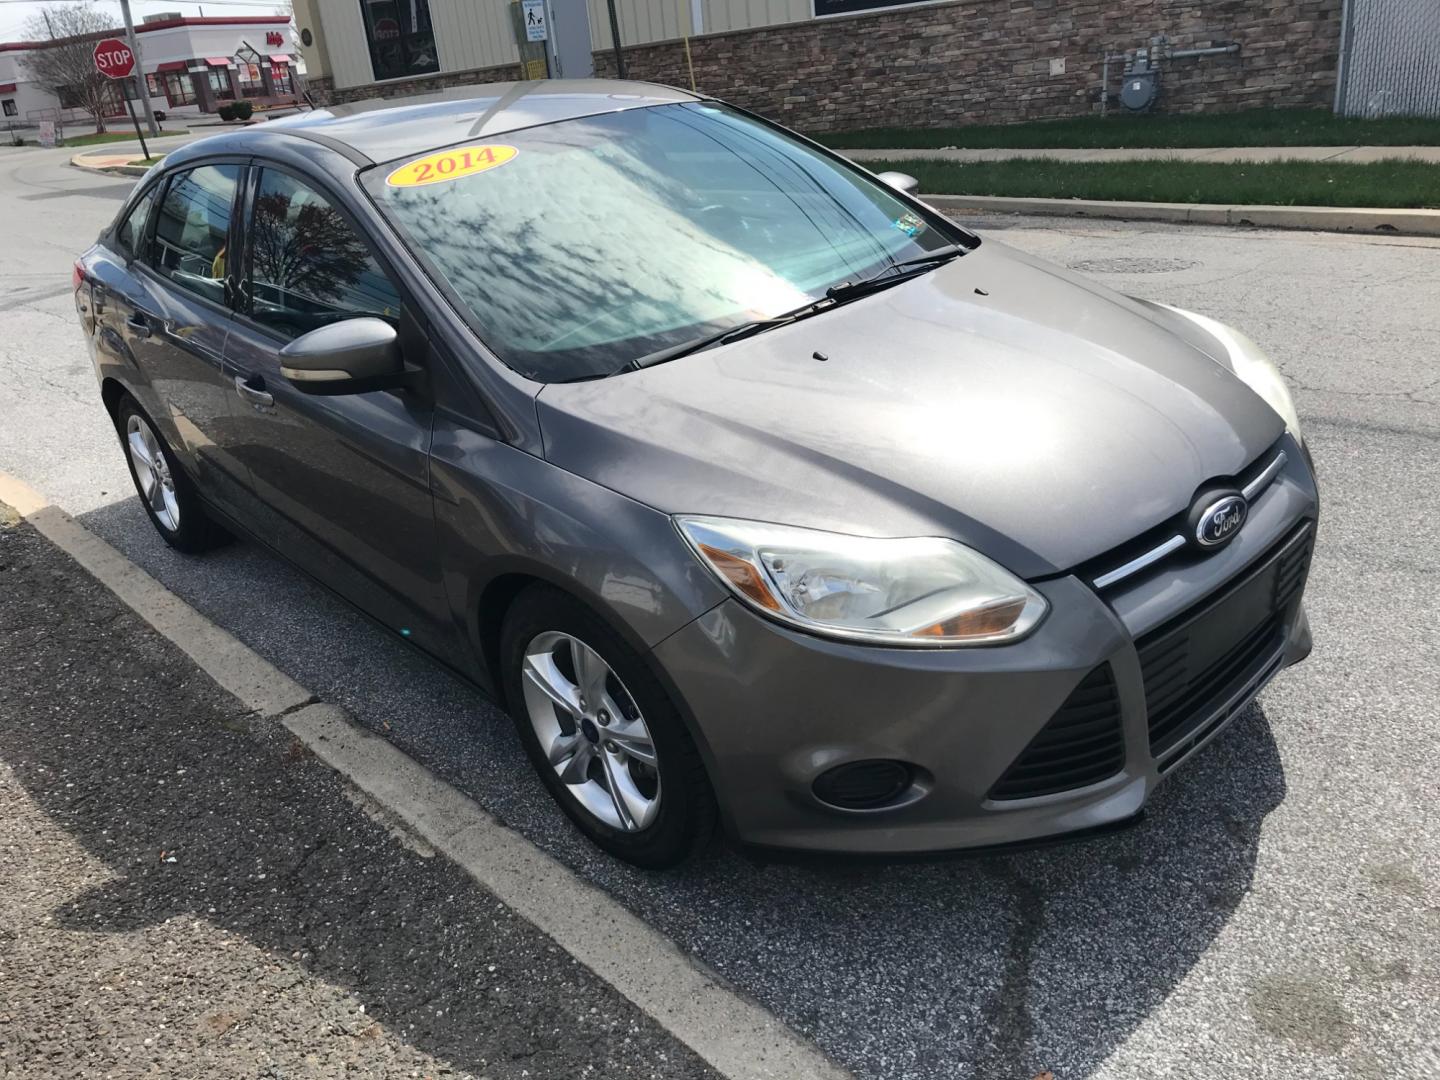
826, 64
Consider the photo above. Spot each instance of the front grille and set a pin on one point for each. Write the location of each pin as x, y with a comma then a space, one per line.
1178, 699
1193, 667
1291, 569
1082, 744
1171, 528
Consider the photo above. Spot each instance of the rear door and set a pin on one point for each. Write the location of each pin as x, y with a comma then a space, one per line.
166, 312
341, 484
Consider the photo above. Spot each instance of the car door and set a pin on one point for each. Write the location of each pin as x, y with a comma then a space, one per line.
165, 311
341, 484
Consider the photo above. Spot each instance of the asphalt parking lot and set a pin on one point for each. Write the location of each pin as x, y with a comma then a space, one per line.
1275, 915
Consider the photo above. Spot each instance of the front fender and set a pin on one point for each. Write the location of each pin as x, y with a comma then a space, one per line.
500, 511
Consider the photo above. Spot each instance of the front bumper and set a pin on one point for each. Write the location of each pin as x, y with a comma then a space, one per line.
773, 708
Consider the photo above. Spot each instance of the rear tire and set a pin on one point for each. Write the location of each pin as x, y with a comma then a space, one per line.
166, 492
635, 784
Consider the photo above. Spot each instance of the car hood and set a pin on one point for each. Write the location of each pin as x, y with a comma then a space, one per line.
1016, 407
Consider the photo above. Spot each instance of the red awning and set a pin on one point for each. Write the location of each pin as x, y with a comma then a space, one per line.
7, 88
218, 61
173, 65
280, 61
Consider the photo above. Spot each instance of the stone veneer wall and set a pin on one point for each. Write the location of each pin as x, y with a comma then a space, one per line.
322, 90
988, 61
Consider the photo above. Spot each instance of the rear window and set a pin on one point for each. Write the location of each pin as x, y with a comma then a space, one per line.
576, 247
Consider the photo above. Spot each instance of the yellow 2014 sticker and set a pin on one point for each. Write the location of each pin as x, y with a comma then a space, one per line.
450, 165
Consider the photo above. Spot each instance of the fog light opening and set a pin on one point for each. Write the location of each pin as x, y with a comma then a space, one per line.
864, 785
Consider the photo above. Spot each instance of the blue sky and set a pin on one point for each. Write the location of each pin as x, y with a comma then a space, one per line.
13, 15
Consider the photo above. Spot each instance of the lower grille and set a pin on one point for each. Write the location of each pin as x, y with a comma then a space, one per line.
1193, 668
1080, 745
1178, 699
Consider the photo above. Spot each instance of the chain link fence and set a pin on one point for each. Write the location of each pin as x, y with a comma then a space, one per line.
1390, 59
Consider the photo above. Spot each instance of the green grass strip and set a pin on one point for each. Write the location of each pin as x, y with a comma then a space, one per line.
1276, 183
1255, 127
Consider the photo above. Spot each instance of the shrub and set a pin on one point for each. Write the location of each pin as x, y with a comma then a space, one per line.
226, 111
244, 110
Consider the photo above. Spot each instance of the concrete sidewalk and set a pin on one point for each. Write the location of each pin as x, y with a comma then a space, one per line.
1223, 155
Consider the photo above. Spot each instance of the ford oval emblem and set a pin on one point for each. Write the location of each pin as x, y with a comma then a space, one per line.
1218, 521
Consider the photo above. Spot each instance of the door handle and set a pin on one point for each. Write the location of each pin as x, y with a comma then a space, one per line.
255, 395
137, 325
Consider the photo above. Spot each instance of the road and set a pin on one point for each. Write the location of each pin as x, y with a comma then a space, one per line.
1276, 914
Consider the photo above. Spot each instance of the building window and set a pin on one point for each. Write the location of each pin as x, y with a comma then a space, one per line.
179, 90
847, 7
250, 82
10, 110
152, 84
400, 38
220, 84
280, 79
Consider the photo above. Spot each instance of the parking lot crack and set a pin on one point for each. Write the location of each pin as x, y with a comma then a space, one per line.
1008, 1018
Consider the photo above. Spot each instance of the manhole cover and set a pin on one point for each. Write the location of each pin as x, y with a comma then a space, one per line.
1132, 266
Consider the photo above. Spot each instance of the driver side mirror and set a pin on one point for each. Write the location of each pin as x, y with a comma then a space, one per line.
900, 181
351, 357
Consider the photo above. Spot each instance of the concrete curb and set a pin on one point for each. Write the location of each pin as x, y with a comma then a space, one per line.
1313, 218
737, 1037
79, 162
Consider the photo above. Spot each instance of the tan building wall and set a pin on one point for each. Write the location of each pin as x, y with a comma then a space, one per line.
468, 34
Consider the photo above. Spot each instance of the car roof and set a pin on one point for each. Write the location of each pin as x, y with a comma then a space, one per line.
380, 129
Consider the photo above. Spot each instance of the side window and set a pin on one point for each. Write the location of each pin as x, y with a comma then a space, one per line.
192, 227
132, 230
308, 266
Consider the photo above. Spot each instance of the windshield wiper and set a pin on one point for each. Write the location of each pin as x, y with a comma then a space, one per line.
836, 294
887, 276
724, 337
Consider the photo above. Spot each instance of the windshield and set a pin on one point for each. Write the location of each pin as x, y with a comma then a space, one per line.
579, 246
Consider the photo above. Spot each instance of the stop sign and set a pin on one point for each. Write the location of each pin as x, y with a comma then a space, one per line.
113, 58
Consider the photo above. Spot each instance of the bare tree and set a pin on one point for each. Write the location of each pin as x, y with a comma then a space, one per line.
67, 67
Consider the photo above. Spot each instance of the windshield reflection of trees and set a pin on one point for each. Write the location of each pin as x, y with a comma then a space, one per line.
608, 238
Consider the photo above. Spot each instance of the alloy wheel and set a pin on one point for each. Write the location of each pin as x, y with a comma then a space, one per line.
152, 472
591, 731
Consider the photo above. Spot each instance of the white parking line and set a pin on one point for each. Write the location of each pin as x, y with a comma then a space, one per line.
738, 1038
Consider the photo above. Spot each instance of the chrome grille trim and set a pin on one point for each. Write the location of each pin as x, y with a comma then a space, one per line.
1135, 565
1256, 487
1251, 492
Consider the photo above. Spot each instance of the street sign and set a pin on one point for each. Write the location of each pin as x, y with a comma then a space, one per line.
534, 12
113, 58
116, 60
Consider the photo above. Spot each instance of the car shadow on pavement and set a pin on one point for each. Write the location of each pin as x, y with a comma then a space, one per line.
989, 967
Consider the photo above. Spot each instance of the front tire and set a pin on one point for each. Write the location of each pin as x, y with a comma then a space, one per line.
166, 492
602, 732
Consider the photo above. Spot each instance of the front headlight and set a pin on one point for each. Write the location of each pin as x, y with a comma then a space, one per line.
1253, 367
909, 591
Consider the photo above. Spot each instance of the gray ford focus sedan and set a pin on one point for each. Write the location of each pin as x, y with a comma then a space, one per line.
762, 496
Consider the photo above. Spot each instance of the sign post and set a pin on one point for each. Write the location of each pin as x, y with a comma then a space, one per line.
140, 89
116, 60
